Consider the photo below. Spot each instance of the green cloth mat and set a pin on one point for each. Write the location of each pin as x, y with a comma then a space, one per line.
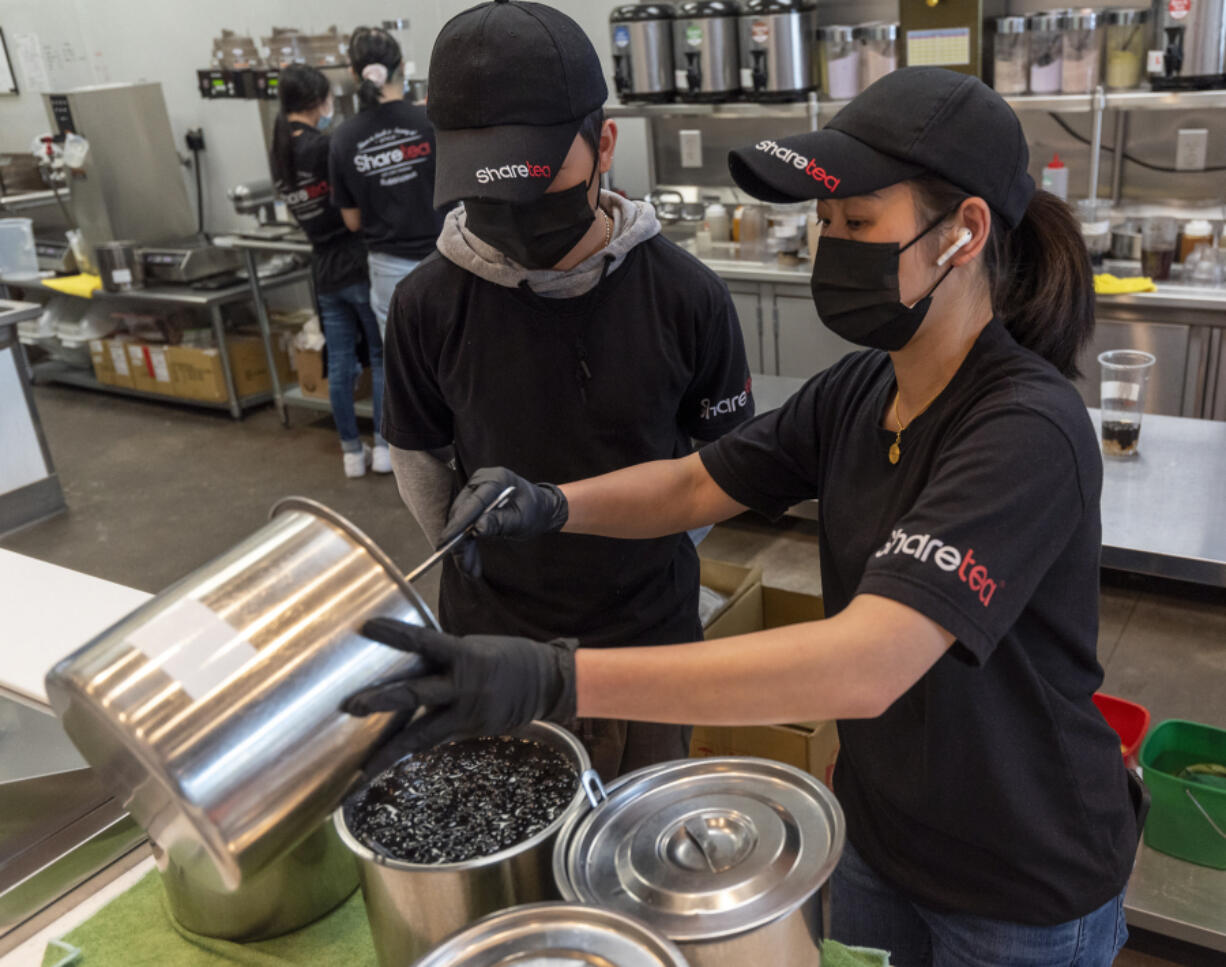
836, 955
136, 930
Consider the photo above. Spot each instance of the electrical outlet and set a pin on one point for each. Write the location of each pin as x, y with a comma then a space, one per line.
1191, 149
691, 149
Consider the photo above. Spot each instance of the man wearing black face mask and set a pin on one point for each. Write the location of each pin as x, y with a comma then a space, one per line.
558, 332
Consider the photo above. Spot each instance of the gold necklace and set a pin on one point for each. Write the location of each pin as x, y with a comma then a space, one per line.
608, 227
896, 446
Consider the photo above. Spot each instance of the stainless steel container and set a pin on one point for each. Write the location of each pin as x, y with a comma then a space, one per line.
724, 856
120, 267
413, 906
707, 55
777, 62
1192, 35
642, 35
555, 933
296, 889
213, 710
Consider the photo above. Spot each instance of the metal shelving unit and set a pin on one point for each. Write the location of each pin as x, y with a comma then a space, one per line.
293, 396
54, 371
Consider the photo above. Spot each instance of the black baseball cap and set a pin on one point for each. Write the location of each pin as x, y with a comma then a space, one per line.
913, 121
510, 85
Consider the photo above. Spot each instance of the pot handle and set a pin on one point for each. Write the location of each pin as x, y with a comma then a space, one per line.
593, 787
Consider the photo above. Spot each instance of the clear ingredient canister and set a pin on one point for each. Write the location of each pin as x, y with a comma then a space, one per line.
1083, 38
878, 44
1011, 56
1127, 31
838, 59
1046, 52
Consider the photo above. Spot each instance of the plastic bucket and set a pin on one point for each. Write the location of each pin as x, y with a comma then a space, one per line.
1130, 721
18, 260
1187, 818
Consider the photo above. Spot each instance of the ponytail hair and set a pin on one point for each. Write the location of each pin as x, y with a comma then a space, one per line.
374, 57
299, 88
1039, 273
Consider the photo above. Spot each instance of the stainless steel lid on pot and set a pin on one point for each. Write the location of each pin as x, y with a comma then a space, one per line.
552, 934
705, 848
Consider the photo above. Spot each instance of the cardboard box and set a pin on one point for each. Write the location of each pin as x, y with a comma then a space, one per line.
110, 359
736, 583
100, 357
196, 372
309, 364
150, 368
810, 746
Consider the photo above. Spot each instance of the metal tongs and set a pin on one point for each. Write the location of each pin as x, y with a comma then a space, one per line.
443, 551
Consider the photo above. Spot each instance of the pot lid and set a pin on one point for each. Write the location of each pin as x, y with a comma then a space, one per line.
1126, 15
758, 7
553, 934
641, 11
1010, 25
700, 9
703, 848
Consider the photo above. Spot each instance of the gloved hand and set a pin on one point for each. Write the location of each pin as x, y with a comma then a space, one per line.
533, 510
475, 685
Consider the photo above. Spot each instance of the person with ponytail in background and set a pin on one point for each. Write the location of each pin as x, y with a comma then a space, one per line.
989, 815
299, 162
382, 165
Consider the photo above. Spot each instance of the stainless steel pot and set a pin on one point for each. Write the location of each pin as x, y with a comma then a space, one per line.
557, 934
412, 906
120, 267
724, 856
213, 710
1126, 243
777, 62
642, 36
706, 37
311, 880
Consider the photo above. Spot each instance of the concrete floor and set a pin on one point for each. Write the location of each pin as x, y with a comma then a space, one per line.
155, 490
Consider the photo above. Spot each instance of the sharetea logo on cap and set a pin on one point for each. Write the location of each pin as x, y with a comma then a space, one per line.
800, 163
486, 176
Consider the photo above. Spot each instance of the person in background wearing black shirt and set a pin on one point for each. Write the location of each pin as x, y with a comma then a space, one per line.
555, 330
990, 819
299, 161
382, 165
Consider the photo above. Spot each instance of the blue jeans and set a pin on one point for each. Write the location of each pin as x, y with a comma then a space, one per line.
385, 272
343, 313
867, 911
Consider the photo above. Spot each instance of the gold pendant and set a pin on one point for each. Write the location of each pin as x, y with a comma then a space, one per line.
895, 453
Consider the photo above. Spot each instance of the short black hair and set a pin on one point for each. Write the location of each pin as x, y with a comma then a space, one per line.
590, 129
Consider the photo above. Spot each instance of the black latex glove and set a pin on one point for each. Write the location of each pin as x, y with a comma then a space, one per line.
475, 685
533, 510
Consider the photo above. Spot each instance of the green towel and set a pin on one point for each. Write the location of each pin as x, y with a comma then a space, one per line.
136, 930
836, 955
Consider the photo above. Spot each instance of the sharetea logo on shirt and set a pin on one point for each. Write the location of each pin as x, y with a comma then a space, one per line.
726, 407
800, 163
948, 558
510, 172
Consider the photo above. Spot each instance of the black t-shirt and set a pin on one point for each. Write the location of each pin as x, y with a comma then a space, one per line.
382, 162
993, 787
339, 255
496, 371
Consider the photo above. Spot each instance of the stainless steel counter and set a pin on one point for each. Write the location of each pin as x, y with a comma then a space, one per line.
1164, 511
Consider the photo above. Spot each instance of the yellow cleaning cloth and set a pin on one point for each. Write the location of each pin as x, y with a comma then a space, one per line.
1107, 284
82, 285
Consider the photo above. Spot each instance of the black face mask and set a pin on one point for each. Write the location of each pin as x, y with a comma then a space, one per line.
855, 289
537, 235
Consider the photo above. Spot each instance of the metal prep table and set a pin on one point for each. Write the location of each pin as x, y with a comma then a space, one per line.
1164, 513
187, 297
292, 241
29, 487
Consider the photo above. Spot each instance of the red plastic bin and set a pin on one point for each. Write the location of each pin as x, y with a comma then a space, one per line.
1130, 721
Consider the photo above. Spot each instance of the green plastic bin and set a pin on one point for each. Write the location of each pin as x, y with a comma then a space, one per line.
1186, 819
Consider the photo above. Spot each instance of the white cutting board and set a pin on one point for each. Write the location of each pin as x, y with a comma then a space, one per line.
47, 612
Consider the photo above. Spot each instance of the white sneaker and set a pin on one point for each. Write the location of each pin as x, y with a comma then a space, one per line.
356, 463
382, 460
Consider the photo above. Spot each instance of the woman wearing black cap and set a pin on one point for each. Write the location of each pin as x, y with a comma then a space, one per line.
990, 818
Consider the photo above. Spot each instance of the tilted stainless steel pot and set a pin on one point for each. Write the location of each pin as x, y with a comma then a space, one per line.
213, 711
413, 906
724, 856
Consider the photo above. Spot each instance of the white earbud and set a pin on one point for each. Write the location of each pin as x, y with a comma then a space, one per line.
963, 240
